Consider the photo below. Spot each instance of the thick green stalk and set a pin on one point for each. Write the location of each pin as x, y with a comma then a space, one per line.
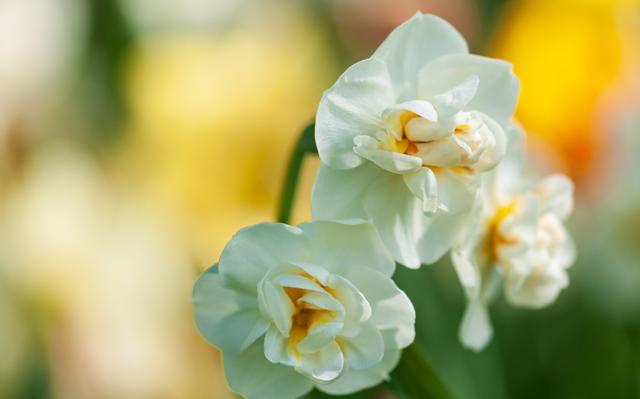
306, 145
413, 378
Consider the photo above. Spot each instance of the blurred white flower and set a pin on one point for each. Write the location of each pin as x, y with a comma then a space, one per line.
37, 40
429, 118
516, 235
322, 297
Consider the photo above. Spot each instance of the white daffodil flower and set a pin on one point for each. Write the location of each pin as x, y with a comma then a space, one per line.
296, 307
516, 239
404, 135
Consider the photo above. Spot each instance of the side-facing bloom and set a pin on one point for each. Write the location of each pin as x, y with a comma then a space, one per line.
296, 307
515, 239
404, 135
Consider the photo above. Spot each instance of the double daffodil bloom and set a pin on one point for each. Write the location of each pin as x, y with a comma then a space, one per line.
404, 135
292, 308
515, 239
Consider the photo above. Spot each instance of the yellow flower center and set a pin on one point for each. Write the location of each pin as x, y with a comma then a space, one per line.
495, 237
304, 315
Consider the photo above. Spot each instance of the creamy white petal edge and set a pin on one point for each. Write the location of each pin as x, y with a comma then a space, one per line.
296, 307
405, 135
515, 239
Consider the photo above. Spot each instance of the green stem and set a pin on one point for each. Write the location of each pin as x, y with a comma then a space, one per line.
416, 378
306, 145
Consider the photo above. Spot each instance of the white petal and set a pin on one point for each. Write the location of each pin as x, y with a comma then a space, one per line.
228, 319
413, 44
256, 249
522, 225
498, 89
320, 273
539, 290
392, 116
319, 336
352, 106
468, 273
455, 99
392, 311
398, 217
337, 194
322, 300
424, 186
423, 130
503, 183
449, 151
457, 189
277, 305
357, 308
475, 329
440, 236
324, 365
276, 348
493, 153
295, 281
394, 162
364, 350
254, 377
352, 380
556, 195
350, 242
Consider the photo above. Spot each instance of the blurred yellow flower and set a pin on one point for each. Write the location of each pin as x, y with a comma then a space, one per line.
213, 120
566, 54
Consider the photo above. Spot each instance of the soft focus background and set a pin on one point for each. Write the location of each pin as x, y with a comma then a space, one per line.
136, 136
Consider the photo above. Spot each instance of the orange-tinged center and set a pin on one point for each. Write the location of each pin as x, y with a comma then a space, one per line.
304, 315
495, 238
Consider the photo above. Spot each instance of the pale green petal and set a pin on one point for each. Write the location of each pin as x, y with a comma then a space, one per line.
394, 162
276, 348
277, 305
392, 311
254, 250
322, 300
254, 377
295, 281
364, 350
556, 195
337, 194
352, 380
357, 308
351, 107
228, 319
424, 186
398, 216
353, 243
320, 273
319, 336
413, 44
498, 89
475, 329
324, 365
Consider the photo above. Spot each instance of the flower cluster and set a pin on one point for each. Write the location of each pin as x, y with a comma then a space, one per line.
420, 156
